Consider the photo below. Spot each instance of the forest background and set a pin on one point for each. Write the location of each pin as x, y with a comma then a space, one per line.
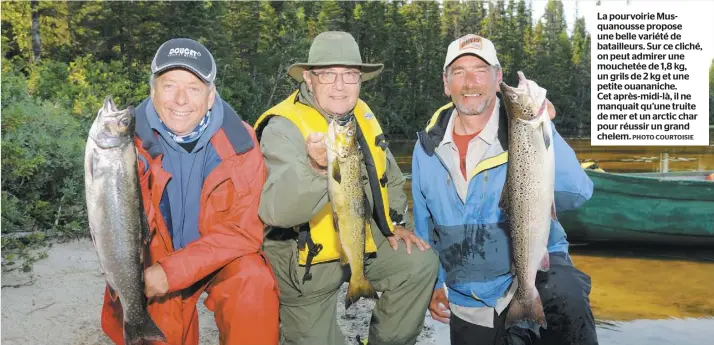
61, 58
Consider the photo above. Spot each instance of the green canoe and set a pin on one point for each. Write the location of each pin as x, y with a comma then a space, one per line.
666, 208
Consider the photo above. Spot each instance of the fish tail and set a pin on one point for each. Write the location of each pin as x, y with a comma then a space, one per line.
148, 330
526, 309
359, 287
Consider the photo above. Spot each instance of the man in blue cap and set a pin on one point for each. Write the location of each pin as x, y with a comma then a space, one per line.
201, 175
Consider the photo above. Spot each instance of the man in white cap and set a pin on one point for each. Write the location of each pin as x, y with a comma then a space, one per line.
302, 241
458, 173
201, 175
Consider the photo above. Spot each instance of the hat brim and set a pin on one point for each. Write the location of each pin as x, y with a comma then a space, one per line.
184, 66
369, 71
490, 63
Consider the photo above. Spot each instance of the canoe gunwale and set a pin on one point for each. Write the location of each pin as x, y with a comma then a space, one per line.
652, 186
644, 208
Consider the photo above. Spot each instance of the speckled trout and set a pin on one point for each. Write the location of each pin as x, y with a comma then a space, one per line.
348, 200
528, 196
116, 218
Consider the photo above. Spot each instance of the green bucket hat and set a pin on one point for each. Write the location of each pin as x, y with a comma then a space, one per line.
335, 48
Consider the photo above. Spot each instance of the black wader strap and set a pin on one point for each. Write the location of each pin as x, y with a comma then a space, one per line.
312, 249
377, 212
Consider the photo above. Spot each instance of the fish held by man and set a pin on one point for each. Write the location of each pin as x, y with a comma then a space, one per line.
116, 219
528, 195
349, 203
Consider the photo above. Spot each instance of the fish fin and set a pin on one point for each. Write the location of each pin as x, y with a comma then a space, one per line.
553, 214
545, 263
344, 260
359, 287
112, 293
145, 237
335, 222
145, 234
94, 162
530, 311
148, 330
368, 207
546, 136
503, 203
336, 171
94, 242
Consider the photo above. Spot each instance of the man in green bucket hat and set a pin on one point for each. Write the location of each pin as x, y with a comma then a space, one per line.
301, 241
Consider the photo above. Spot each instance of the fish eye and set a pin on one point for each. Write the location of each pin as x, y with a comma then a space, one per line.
125, 121
350, 132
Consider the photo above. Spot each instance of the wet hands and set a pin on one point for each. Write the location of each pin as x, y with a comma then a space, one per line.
439, 306
317, 151
156, 283
408, 237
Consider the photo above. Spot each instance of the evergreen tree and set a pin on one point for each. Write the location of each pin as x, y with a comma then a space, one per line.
255, 42
331, 17
581, 89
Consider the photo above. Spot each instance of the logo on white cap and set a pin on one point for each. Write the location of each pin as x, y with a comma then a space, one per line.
470, 42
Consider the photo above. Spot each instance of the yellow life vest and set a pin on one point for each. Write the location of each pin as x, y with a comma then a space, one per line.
321, 227
483, 165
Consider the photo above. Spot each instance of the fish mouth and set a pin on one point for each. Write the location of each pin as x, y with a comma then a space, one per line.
506, 87
513, 92
116, 129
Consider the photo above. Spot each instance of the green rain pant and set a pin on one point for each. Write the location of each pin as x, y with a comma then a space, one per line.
308, 310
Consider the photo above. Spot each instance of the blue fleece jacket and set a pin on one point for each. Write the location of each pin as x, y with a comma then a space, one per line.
181, 200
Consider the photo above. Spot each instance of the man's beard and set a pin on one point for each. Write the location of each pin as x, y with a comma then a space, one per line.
477, 109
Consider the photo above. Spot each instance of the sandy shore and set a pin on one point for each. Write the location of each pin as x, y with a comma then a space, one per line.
62, 305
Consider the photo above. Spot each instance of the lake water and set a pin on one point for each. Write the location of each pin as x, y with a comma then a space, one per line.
640, 295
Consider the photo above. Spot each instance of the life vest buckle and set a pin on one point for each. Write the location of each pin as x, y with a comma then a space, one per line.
381, 141
316, 248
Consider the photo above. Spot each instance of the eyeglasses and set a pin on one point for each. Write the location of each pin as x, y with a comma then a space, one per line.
331, 77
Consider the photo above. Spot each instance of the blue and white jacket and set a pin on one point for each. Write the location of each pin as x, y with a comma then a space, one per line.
471, 237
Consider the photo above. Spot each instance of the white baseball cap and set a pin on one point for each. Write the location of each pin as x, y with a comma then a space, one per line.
471, 44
